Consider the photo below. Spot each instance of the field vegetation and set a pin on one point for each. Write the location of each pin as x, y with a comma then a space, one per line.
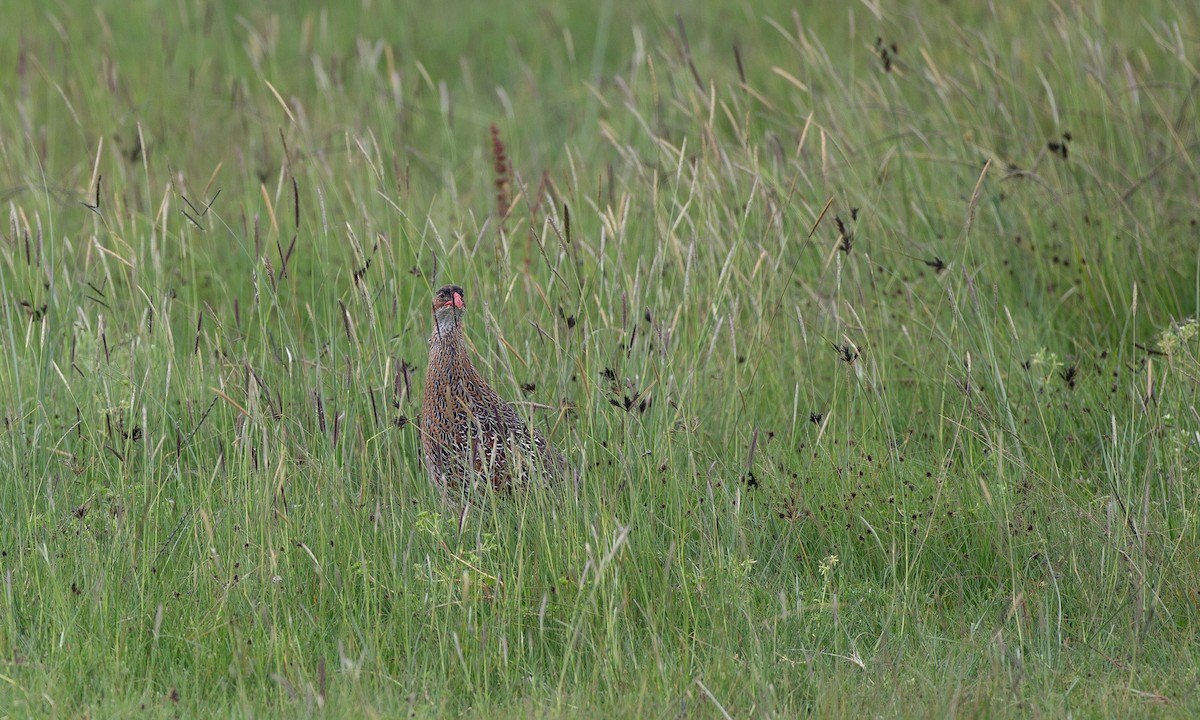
872, 329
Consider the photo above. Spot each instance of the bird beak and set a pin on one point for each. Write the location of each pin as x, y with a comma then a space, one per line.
457, 301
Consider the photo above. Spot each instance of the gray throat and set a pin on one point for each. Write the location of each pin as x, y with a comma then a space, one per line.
446, 323
447, 332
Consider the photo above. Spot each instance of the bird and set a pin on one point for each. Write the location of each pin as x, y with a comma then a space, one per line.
470, 437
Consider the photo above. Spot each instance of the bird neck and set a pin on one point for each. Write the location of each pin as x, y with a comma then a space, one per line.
447, 321
448, 339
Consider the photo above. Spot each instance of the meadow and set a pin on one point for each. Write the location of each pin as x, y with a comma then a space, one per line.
871, 328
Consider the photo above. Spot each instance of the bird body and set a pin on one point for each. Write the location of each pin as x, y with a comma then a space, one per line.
469, 434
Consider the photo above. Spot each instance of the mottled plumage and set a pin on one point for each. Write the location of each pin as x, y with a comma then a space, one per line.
468, 433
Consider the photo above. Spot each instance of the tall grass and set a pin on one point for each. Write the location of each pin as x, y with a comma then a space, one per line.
871, 331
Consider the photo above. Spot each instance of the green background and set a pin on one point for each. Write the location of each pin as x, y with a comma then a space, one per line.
870, 327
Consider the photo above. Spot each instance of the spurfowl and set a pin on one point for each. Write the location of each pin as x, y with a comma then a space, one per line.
469, 434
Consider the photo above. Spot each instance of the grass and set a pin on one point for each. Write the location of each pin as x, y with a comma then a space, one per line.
872, 331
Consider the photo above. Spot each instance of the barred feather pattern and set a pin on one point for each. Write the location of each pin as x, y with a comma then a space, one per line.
470, 436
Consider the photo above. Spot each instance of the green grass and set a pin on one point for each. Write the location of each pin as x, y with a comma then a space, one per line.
884, 392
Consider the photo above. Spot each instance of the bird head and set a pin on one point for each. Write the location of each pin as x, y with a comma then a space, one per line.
448, 307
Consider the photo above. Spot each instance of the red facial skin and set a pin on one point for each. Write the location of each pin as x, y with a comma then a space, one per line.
455, 302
